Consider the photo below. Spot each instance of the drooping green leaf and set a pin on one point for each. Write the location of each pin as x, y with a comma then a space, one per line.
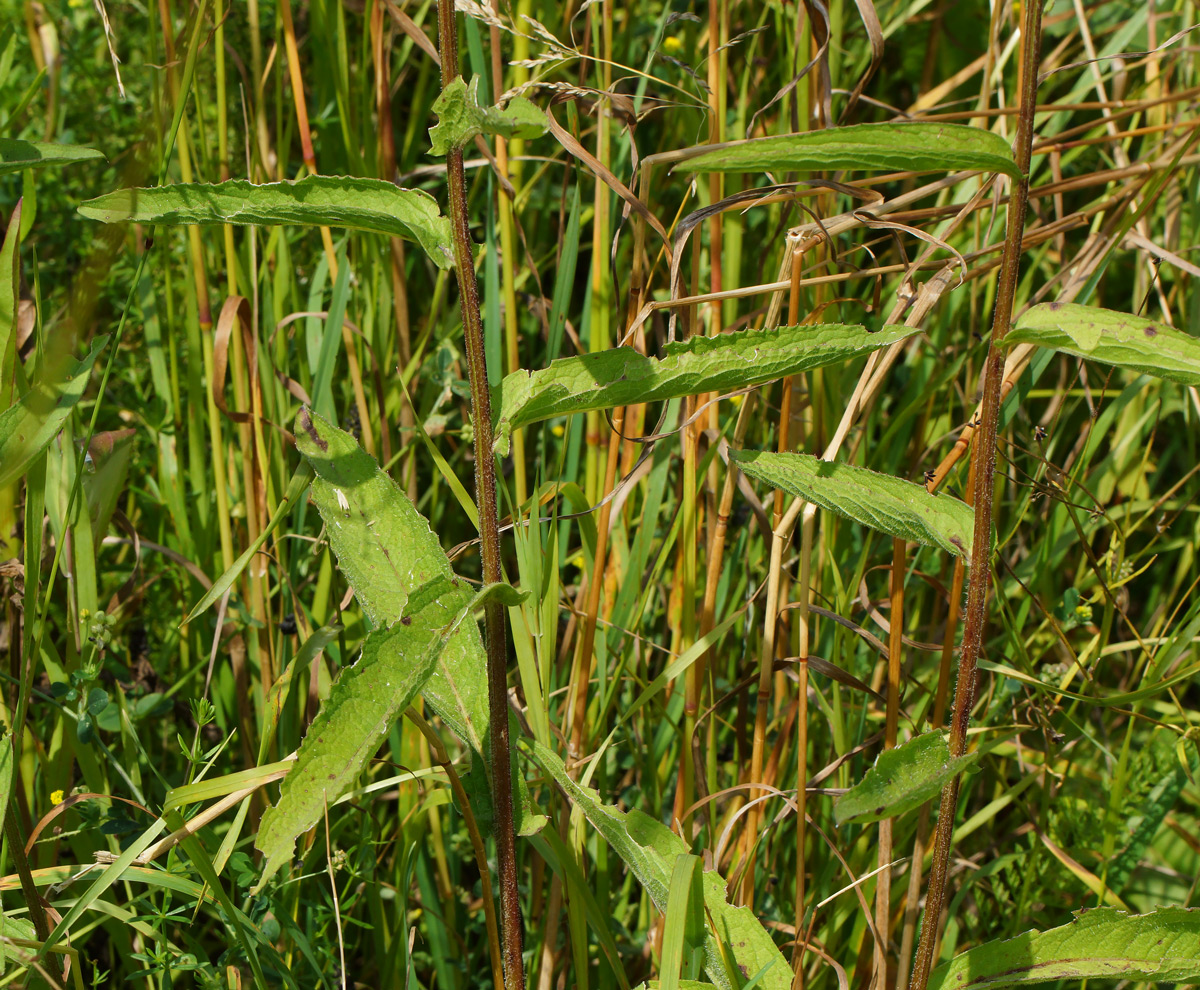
386, 550
372, 205
1162, 946
891, 505
27, 428
16, 154
363, 703
1119, 339
703, 364
912, 147
460, 117
651, 850
902, 779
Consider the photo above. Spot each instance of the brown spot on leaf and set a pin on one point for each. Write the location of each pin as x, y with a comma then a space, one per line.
1054, 305
306, 424
406, 620
1151, 332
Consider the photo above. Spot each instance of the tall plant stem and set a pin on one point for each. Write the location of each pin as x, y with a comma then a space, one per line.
489, 528
985, 471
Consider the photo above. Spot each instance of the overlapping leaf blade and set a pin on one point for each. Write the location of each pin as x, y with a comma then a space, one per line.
372, 205
890, 147
703, 364
891, 505
1119, 339
1162, 946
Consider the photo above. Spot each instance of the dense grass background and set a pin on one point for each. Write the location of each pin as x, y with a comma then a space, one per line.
1088, 796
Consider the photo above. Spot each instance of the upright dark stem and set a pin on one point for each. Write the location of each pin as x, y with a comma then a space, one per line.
984, 456
489, 529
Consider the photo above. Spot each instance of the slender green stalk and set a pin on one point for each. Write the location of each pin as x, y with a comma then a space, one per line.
979, 577
489, 529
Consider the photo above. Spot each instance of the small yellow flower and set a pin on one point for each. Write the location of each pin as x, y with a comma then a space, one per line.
56, 797
672, 44
736, 399
577, 561
558, 429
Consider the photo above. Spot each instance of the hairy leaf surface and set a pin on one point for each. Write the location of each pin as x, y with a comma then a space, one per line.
621, 375
1119, 339
27, 428
16, 154
460, 117
1162, 946
902, 779
914, 147
386, 550
372, 205
881, 501
364, 702
650, 850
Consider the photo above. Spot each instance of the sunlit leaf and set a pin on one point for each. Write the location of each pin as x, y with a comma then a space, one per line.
912, 147
1103, 943
891, 505
372, 205
703, 364
902, 779
386, 550
460, 117
363, 703
1130, 342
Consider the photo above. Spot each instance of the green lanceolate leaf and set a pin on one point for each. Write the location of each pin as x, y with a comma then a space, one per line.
651, 850
460, 117
27, 428
904, 778
1119, 339
363, 703
703, 364
386, 550
891, 505
372, 205
915, 147
16, 154
1103, 943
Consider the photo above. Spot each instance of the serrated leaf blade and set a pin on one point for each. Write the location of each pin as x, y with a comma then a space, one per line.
364, 702
372, 205
883, 502
1104, 943
1119, 339
888, 147
461, 117
621, 375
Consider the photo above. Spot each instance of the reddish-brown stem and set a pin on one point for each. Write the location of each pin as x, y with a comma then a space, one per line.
985, 471
489, 529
